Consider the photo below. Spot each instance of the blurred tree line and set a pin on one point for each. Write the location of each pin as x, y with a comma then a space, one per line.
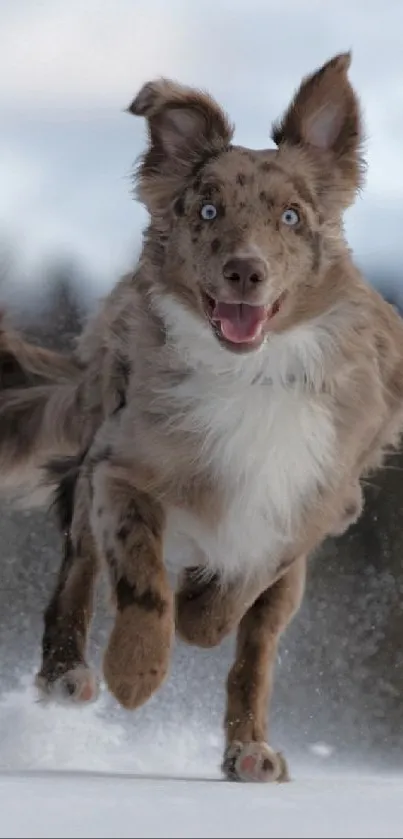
50, 312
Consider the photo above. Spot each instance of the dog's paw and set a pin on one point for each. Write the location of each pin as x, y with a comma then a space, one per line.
79, 686
254, 762
138, 655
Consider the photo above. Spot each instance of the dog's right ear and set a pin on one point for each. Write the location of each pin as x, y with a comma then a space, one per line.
185, 127
324, 119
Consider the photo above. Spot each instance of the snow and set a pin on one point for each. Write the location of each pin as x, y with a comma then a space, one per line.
89, 805
37, 735
69, 772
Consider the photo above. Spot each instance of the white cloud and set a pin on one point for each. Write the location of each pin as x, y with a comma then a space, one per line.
93, 53
78, 64
84, 54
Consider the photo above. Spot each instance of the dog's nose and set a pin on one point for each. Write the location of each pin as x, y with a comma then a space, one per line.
245, 272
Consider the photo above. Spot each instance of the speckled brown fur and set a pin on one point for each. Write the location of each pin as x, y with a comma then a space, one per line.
253, 449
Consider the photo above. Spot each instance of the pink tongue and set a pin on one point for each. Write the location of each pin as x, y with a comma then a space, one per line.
239, 322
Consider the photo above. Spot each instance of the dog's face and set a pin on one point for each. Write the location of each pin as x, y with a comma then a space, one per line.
242, 236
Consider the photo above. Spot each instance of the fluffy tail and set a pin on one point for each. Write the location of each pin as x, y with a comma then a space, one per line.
23, 364
36, 424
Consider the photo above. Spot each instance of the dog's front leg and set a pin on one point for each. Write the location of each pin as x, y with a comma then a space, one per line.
128, 526
205, 613
250, 681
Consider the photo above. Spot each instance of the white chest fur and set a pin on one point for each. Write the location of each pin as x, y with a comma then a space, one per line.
268, 439
269, 450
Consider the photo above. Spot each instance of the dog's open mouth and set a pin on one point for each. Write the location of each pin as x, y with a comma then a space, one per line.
240, 323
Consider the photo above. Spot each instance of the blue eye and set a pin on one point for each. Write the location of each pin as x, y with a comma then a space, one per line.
208, 212
290, 217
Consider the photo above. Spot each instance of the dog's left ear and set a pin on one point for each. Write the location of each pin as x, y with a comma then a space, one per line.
181, 119
184, 126
324, 118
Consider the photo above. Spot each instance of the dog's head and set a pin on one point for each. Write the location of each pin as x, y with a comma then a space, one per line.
240, 234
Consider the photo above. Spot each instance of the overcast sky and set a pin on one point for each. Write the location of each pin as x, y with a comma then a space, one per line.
68, 69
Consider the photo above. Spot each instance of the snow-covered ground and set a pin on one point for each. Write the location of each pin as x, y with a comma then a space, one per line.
88, 805
69, 772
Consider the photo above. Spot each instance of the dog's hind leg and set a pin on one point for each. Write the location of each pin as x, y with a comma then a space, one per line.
208, 610
64, 672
